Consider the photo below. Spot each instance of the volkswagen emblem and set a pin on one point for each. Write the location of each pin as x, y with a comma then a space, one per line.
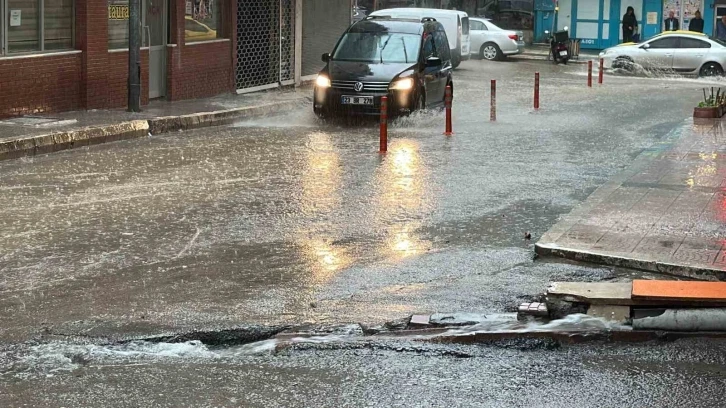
358, 86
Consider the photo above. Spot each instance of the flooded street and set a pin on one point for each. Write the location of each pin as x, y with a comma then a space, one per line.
288, 220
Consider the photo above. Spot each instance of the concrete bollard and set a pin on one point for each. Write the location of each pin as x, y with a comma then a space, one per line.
384, 125
536, 90
589, 73
449, 99
493, 110
600, 74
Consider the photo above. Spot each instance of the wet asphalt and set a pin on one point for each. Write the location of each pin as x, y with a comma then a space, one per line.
289, 220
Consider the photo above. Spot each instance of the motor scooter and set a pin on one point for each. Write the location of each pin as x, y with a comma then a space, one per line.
559, 46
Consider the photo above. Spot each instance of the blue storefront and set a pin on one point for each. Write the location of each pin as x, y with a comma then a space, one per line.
597, 23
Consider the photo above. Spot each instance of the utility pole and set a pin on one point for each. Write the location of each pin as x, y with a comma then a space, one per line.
134, 56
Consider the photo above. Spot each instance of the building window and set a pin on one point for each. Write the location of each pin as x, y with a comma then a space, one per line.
203, 20
118, 24
36, 25
58, 24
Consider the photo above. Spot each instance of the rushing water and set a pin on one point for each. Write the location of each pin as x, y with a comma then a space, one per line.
52, 358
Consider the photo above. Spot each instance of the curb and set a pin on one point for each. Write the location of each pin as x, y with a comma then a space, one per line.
706, 274
53, 142
167, 124
543, 58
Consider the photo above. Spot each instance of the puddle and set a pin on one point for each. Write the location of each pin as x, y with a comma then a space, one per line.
37, 121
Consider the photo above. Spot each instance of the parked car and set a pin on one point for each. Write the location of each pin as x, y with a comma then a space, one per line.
679, 51
409, 61
456, 24
492, 42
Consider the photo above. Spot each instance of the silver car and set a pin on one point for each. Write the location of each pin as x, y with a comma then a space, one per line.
492, 42
676, 51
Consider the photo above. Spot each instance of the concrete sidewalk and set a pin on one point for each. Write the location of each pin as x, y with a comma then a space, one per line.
541, 52
45, 133
666, 213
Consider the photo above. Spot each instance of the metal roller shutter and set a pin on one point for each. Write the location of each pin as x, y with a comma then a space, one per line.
265, 44
323, 23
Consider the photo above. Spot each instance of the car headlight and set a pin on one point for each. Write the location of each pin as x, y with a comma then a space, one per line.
322, 81
402, 84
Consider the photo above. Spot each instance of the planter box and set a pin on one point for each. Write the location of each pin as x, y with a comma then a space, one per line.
708, 113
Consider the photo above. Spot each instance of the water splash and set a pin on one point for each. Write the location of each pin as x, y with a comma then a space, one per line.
509, 324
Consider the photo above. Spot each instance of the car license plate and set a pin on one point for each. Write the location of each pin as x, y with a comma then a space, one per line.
357, 100
563, 53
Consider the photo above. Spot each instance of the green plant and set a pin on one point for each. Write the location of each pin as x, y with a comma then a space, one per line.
713, 100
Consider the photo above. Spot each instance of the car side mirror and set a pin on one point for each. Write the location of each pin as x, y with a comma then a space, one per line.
326, 57
433, 62
645, 46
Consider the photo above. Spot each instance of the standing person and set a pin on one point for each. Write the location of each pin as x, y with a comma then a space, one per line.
671, 23
630, 25
696, 23
721, 28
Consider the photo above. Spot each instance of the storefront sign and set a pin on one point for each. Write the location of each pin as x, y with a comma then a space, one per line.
652, 18
118, 12
15, 18
588, 41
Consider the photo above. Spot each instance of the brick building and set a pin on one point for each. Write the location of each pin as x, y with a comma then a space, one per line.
58, 55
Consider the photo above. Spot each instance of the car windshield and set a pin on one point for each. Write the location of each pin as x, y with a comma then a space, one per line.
378, 47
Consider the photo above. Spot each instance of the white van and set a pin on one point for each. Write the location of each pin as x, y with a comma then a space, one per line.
456, 24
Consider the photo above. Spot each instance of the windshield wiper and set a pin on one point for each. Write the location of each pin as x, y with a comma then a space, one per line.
384, 47
405, 53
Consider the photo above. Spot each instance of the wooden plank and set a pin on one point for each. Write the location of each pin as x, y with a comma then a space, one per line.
679, 291
592, 292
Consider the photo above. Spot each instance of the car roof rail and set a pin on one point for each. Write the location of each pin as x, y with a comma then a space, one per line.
377, 18
426, 19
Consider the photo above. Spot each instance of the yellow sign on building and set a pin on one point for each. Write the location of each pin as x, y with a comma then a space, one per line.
118, 12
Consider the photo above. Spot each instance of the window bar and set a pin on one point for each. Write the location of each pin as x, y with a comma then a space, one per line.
41, 21
3, 27
279, 30
73, 25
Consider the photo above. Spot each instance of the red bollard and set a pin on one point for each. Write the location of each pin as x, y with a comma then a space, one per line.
449, 99
493, 112
384, 124
600, 75
589, 73
536, 90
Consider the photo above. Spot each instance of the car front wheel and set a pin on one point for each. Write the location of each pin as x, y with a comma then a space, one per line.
490, 52
321, 114
623, 63
711, 69
420, 103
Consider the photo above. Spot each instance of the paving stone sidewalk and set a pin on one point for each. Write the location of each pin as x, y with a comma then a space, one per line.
666, 213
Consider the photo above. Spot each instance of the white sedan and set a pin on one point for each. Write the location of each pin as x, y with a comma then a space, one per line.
675, 51
492, 42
